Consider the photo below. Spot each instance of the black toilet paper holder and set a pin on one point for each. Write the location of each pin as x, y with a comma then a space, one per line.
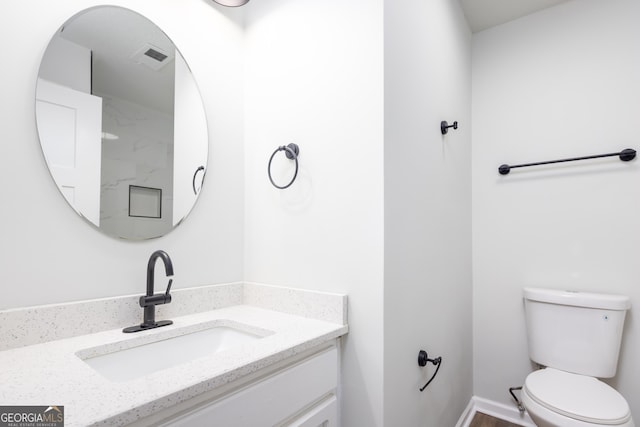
423, 359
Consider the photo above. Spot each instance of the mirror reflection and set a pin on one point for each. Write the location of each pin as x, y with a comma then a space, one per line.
121, 123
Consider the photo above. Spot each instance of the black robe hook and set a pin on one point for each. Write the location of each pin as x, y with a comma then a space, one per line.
444, 127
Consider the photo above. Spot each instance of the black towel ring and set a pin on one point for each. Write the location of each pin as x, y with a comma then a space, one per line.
291, 151
201, 168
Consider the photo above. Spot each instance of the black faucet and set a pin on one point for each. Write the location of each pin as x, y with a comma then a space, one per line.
149, 301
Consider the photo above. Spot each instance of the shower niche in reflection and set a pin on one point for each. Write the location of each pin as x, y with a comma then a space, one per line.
145, 202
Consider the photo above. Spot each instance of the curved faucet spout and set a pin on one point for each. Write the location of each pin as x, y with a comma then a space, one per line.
149, 301
168, 267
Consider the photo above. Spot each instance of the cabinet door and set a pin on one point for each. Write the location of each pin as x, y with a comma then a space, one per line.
324, 414
272, 400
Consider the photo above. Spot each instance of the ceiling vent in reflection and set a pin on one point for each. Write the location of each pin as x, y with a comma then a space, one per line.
152, 56
156, 55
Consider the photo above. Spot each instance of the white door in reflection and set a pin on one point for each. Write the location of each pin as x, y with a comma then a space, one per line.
70, 124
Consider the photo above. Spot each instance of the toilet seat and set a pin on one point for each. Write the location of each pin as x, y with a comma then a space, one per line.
577, 396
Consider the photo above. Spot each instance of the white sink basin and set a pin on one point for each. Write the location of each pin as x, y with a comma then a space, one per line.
144, 359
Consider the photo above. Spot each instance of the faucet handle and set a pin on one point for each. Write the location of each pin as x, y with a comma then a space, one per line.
167, 295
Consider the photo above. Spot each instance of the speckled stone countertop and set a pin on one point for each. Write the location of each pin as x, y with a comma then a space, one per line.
52, 373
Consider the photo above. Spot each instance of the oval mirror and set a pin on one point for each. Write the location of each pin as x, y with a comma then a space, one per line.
121, 123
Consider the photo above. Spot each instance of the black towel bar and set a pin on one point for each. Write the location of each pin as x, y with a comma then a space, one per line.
625, 155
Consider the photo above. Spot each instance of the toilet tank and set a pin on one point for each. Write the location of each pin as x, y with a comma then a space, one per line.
576, 332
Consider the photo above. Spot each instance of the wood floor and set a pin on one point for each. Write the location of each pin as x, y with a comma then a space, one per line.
484, 420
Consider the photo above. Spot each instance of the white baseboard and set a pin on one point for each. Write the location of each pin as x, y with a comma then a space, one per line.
467, 415
495, 409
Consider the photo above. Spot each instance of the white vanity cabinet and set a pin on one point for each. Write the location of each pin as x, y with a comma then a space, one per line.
301, 394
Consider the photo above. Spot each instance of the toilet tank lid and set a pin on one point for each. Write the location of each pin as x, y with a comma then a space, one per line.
578, 299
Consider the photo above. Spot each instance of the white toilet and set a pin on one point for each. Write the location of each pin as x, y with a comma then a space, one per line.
576, 336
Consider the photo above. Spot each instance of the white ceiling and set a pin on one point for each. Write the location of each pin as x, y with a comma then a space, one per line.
483, 14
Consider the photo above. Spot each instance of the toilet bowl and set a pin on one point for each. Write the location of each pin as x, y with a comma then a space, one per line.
555, 398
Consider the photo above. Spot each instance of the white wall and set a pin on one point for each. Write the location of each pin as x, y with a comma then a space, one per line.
556, 84
560, 83
314, 77
48, 253
427, 289
68, 64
